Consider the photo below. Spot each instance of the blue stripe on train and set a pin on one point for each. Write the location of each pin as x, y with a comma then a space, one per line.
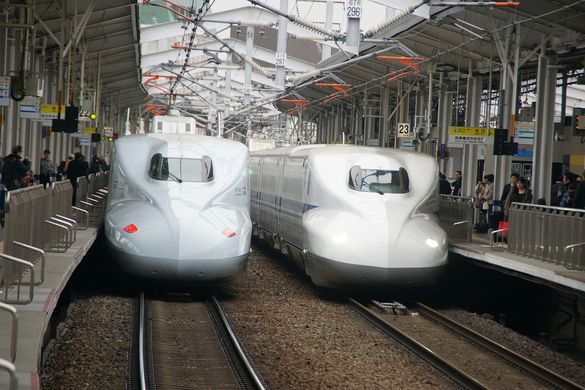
287, 205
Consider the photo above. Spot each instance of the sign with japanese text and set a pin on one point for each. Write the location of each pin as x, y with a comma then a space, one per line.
353, 8
50, 111
469, 135
4, 91
30, 107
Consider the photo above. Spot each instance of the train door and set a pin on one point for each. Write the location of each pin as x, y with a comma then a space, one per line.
278, 201
267, 197
292, 201
255, 179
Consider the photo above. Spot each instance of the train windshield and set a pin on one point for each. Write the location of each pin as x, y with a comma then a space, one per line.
181, 169
379, 180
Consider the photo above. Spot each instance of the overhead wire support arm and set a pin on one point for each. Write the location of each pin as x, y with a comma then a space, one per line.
311, 26
244, 58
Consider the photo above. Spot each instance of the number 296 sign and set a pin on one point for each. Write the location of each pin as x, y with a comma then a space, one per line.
353, 8
404, 130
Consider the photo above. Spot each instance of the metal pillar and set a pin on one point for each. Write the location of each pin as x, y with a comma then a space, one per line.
471, 152
281, 46
544, 128
326, 49
247, 66
4, 68
444, 120
503, 164
385, 128
353, 36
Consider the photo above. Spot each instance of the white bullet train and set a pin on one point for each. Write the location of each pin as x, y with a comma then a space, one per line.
179, 207
350, 216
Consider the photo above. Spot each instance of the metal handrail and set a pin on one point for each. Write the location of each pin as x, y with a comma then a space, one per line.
14, 329
493, 234
456, 216
548, 233
43, 258
30, 284
11, 370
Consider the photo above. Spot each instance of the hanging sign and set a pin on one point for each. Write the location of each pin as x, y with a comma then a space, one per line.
4, 91
469, 135
30, 107
51, 111
404, 130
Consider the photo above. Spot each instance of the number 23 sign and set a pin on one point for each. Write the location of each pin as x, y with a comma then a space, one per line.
404, 130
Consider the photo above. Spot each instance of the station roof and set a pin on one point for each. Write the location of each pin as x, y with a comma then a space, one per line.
458, 40
108, 29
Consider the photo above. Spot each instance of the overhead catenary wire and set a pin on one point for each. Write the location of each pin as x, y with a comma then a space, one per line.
304, 23
358, 88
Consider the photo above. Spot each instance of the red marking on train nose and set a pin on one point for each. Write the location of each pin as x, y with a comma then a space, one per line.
229, 233
130, 228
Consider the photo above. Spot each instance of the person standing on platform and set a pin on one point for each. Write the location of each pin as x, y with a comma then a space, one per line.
580, 192
457, 183
76, 168
444, 185
14, 169
47, 168
512, 184
520, 194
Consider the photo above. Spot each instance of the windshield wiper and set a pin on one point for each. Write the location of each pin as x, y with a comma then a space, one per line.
175, 178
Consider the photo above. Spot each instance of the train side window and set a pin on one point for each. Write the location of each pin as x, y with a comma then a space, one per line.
155, 165
404, 180
206, 168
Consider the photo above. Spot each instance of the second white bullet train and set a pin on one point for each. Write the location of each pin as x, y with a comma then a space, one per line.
179, 207
350, 216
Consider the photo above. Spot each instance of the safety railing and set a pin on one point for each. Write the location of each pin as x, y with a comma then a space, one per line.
552, 234
11, 370
93, 195
11, 275
456, 217
40, 220
24, 237
13, 329
61, 222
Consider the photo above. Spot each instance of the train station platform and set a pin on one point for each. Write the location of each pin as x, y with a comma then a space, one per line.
557, 276
34, 318
42, 243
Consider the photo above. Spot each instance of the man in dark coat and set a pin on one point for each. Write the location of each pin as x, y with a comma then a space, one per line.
444, 185
512, 184
457, 183
580, 192
77, 168
13, 169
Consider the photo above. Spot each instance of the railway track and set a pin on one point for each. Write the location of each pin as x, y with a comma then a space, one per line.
467, 358
186, 343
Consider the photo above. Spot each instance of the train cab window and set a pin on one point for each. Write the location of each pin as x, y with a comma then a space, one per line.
181, 169
379, 180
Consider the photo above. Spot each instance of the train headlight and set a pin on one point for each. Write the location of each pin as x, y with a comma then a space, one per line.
131, 228
431, 243
229, 233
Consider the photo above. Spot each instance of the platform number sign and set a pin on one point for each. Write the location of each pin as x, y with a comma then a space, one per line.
353, 8
404, 130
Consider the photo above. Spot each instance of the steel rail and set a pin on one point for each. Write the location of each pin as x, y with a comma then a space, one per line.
141, 345
459, 377
242, 368
543, 373
250, 372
